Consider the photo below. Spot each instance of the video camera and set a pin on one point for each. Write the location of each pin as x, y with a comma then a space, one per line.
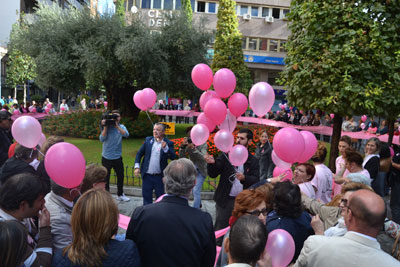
110, 119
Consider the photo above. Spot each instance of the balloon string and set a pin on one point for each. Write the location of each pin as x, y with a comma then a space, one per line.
149, 118
230, 162
40, 152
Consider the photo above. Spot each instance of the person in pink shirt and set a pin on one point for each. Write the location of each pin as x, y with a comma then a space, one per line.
344, 142
303, 174
323, 178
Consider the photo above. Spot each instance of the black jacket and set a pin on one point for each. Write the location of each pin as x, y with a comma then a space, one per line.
225, 169
14, 166
372, 166
5, 143
170, 233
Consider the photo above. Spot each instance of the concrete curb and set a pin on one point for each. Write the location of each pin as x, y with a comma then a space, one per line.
137, 192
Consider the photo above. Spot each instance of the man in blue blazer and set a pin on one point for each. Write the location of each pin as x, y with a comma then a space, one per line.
155, 152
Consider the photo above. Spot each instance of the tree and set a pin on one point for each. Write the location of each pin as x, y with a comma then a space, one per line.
75, 49
20, 69
228, 46
340, 59
187, 10
120, 10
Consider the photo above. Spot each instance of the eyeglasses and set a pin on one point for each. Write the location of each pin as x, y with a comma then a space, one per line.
257, 213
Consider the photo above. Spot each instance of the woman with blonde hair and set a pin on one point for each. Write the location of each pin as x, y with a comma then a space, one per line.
94, 222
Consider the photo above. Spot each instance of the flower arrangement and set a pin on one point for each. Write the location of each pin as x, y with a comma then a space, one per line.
213, 150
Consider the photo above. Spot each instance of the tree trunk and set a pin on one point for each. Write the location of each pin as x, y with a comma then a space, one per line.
15, 92
25, 93
390, 122
337, 131
122, 99
58, 98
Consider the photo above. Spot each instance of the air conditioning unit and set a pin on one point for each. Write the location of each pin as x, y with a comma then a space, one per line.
269, 19
247, 17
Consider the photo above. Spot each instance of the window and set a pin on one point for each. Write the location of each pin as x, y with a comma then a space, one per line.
263, 45
157, 4
201, 6
253, 43
285, 12
254, 11
276, 12
272, 76
273, 45
244, 43
146, 3
244, 10
168, 4
282, 47
212, 7
178, 5
265, 12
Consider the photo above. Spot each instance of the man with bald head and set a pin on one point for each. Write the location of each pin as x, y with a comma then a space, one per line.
364, 215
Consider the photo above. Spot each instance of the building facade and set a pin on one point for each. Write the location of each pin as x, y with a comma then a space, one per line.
262, 23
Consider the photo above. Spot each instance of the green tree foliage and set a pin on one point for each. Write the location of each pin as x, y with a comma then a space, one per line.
187, 9
20, 68
120, 10
73, 50
228, 46
341, 58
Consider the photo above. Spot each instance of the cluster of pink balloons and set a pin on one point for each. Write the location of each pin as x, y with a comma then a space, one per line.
283, 106
280, 246
292, 146
64, 162
144, 99
217, 113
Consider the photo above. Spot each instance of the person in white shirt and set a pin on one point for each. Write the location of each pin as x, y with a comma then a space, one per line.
356, 173
323, 179
64, 106
303, 174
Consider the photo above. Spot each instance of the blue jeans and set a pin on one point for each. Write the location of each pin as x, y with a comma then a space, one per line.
150, 183
197, 189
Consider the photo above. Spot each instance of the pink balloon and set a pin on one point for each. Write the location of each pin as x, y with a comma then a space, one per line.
49, 105
261, 98
229, 123
27, 131
290, 108
224, 82
224, 140
105, 103
62, 109
278, 171
301, 111
362, 125
364, 118
199, 134
279, 163
33, 110
42, 139
47, 110
310, 146
137, 99
205, 97
238, 104
238, 155
277, 112
391, 151
215, 110
3, 109
65, 165
202, 76
202, 119
282, 106
280, 246
160, 198
288, 144
148, 97
332, 116
16, 112
30, 109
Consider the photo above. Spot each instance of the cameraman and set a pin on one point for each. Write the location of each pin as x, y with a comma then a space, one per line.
111, 137
196, 155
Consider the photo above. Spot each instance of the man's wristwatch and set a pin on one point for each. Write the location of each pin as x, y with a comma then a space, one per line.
269, 180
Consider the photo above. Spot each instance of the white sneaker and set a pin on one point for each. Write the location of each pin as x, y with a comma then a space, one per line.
123, 198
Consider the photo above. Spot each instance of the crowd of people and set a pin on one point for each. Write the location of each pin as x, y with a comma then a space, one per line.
333, 218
